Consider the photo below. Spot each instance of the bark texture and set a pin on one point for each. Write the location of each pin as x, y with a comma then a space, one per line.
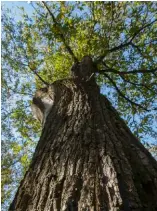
87, 159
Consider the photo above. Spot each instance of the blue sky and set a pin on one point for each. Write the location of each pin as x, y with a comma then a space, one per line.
13, 6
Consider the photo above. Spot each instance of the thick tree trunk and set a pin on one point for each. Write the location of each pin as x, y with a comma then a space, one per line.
87, 159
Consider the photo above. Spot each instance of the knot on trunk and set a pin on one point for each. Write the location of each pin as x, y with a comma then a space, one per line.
57, 95
84, 70
42, 103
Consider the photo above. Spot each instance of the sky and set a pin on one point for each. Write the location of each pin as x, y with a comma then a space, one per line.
14, 4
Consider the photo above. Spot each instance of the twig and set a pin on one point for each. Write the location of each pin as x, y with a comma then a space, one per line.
139, 85
111, 70
138, 49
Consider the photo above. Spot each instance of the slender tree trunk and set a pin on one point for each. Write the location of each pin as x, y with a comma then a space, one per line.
87, 159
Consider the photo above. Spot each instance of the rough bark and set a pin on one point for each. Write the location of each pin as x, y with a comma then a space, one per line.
87, 159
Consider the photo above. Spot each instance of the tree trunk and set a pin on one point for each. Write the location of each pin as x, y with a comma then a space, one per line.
87, 159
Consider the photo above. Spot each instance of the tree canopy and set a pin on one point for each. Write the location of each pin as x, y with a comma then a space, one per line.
39, 49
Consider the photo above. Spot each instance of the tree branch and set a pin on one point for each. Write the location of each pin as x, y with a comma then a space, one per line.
111, 70
127, 81
138, 31
123, 45
111, 24
122, 95
40, 78
56, 24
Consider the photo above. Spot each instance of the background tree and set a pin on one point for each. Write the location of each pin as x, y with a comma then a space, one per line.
119, 36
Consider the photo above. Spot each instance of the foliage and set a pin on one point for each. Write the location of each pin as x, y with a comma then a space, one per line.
38, 49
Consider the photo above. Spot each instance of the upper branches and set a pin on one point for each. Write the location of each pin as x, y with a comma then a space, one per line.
127, 43
60, 34
124, 76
